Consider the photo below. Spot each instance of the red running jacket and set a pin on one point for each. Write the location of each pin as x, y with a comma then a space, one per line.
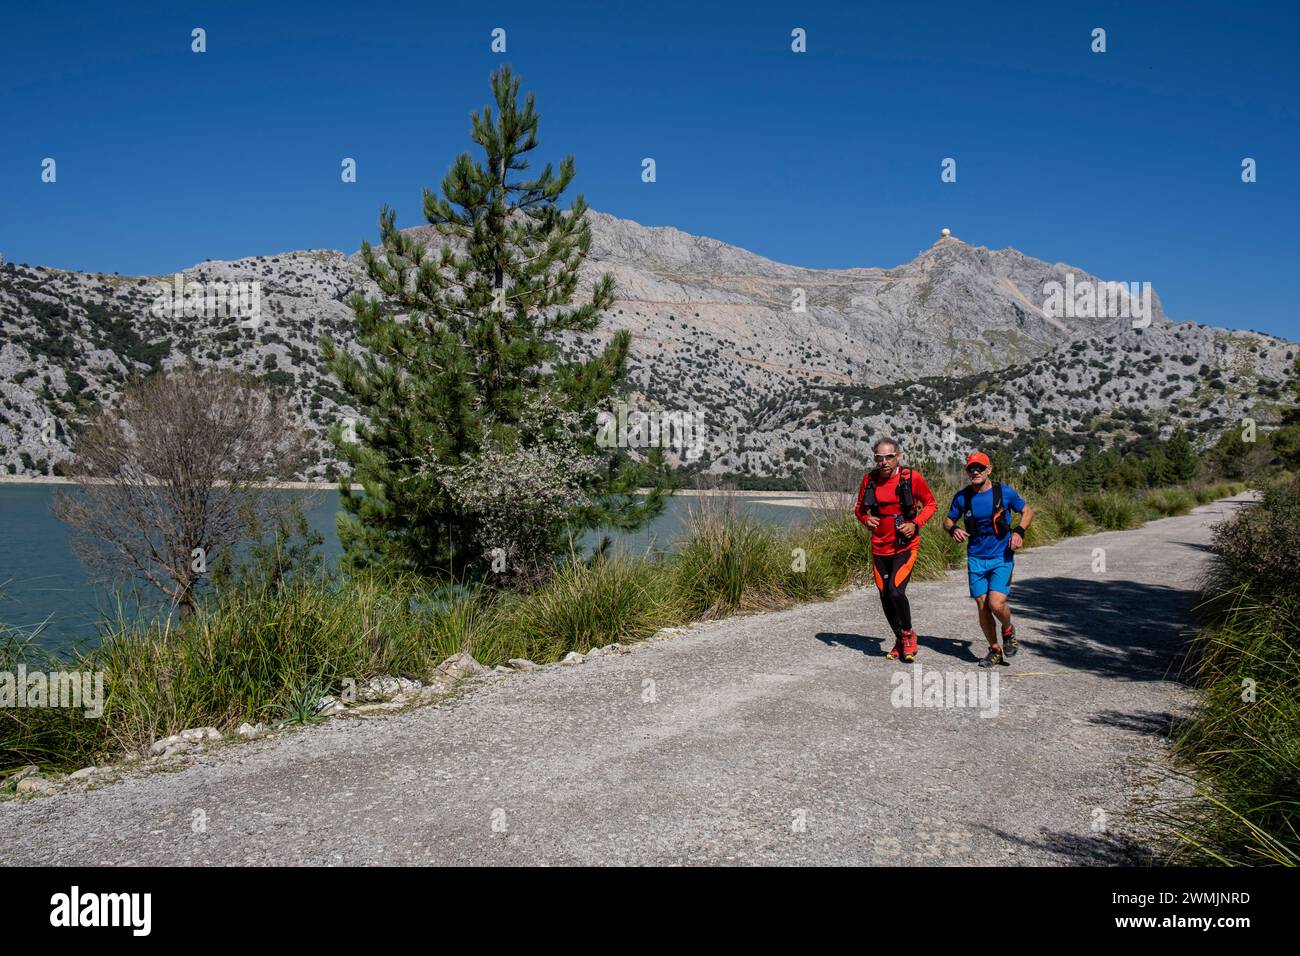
882, 538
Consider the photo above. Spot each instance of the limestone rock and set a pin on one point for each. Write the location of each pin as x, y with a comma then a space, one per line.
37, 786
198, 735
462, 665
386, 688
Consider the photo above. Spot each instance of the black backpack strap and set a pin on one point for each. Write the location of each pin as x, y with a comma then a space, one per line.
906, 500
967, 497
869, 496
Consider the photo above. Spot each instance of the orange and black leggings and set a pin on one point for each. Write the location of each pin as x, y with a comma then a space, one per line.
892, 573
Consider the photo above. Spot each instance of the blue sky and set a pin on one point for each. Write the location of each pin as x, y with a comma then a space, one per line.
1126, 164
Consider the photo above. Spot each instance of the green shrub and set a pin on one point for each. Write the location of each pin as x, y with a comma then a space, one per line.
584, 606
1114, 511
1057, 514
1167, 502
729, 562
1242, 744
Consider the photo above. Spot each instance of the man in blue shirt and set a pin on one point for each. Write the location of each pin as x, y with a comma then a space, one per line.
984, 509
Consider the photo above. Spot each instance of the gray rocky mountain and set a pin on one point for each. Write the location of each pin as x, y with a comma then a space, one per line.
783, 365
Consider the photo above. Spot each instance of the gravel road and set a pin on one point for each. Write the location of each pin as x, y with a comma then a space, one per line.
771, 738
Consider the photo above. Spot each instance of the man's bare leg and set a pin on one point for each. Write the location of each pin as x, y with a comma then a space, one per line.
998, 607
987, 623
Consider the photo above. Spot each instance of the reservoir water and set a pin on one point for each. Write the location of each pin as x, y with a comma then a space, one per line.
43, 584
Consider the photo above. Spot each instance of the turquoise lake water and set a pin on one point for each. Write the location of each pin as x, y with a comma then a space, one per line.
42, 583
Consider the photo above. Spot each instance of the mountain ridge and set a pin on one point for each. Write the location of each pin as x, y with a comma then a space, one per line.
742, 338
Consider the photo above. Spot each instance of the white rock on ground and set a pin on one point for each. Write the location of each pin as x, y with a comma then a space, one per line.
38, 785
386, 688
200, 734
573, 657
522, 664
158, 747
250, 731
179, 743
462, 665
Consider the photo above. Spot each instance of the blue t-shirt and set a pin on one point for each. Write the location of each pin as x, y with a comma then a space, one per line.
986, 544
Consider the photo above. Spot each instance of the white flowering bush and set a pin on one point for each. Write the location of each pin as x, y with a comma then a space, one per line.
521, 487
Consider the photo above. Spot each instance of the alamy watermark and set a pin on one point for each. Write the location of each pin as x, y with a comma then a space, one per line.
1098, 300
75, 689
918, 687
680, 431
211, 300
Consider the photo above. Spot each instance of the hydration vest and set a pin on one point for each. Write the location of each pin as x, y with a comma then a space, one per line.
906, 502
1001, 523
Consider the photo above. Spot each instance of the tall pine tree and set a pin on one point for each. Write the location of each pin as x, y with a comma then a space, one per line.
1183, 459
461, 370
1040, 470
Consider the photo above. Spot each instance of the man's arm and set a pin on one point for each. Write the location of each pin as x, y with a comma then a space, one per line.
928, 505
950, 523
1026, 517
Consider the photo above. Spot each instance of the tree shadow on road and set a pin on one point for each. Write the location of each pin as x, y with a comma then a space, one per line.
1083, 849
1110, 627
1160, 724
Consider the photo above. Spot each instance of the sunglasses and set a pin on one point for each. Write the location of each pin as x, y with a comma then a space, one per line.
880, 458
975, 469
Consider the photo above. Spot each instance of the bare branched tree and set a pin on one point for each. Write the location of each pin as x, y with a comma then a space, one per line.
833, 487
171, 477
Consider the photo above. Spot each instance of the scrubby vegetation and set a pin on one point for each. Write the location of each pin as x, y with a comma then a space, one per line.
1243, 742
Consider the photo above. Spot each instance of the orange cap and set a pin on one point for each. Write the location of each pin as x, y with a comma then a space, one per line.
978, 458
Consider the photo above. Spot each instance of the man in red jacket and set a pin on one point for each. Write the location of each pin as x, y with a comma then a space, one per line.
894, 502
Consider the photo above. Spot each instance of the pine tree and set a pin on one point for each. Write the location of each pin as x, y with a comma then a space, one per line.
1041, 467
1182, 457
462, 376
1156, 467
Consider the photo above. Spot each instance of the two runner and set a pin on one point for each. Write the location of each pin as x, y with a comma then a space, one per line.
887, 504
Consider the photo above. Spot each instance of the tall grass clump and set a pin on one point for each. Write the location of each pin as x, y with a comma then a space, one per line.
1168, 502
1213, 491
1057, 514
840, 548
729, 561
53, 736
1243, 741
584, 605
1114, 511
249, 656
